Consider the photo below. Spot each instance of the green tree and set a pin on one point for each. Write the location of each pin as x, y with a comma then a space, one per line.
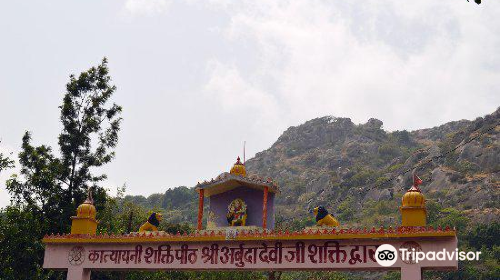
20, 244
5, 162
51, 186
87, 119
453, 218
54, 186
484, 235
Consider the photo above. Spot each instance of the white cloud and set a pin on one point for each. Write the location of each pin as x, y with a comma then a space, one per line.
412, 66
237, 94
147, 7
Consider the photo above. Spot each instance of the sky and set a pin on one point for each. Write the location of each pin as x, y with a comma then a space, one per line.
196, 78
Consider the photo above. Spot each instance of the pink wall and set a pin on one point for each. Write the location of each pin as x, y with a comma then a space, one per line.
241, 255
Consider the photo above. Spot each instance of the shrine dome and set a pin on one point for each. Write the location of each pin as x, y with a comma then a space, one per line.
238, 168
86, 209
413, 198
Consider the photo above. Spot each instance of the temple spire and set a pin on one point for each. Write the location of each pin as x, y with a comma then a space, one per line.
89, 199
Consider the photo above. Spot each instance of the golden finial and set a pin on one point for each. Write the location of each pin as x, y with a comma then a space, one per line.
89, 199
238, 168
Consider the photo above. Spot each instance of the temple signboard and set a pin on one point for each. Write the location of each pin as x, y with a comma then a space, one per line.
213, 252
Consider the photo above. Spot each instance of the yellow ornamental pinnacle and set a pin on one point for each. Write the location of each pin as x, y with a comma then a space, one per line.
238, 168
413, 198
86, 210
413, 211
84, 222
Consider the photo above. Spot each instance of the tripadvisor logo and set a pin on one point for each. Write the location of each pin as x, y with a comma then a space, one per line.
387, 255
439, 255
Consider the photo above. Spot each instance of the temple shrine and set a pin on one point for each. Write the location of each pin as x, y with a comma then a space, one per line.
239, 235
237, 200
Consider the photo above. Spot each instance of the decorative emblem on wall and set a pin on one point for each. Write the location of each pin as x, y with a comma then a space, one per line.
410, 245
76, 255
231, 233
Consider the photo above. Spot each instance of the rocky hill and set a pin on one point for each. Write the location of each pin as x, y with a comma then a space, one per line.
360, 172
331, 160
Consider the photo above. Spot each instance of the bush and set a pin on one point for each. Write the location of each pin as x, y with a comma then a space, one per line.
484, 235
466, 167
389, 151
345, 210
453, 218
